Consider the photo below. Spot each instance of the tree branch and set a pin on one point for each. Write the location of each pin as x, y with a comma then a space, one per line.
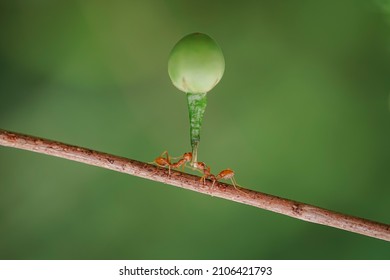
276, 204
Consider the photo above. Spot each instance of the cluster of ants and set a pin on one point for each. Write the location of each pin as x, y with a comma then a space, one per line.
164, 160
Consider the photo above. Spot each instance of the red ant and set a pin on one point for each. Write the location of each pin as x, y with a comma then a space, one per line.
187, 157
166, 161
224, 174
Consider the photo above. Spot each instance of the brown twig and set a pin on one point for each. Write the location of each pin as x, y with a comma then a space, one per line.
276, 204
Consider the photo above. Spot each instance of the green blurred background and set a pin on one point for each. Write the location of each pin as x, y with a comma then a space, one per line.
302, 112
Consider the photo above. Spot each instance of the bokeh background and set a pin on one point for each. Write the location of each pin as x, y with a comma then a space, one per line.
302, 112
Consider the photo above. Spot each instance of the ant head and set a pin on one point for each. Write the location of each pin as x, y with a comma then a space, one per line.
200, 165
187, 156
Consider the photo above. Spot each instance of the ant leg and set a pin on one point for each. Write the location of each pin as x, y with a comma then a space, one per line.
165, 153
162, 161
168, 162
203, 179
234, 182
214, 180
156, 164
235, 185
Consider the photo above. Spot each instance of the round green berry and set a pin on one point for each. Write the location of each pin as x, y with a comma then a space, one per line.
196, 64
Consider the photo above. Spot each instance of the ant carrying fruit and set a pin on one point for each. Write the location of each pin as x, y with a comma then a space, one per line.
164, 160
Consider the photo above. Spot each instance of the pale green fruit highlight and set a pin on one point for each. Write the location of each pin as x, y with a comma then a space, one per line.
196, 64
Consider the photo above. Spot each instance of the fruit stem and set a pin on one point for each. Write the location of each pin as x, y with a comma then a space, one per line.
196, 107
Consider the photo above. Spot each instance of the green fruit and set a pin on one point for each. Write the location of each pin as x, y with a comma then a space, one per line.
196, 64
